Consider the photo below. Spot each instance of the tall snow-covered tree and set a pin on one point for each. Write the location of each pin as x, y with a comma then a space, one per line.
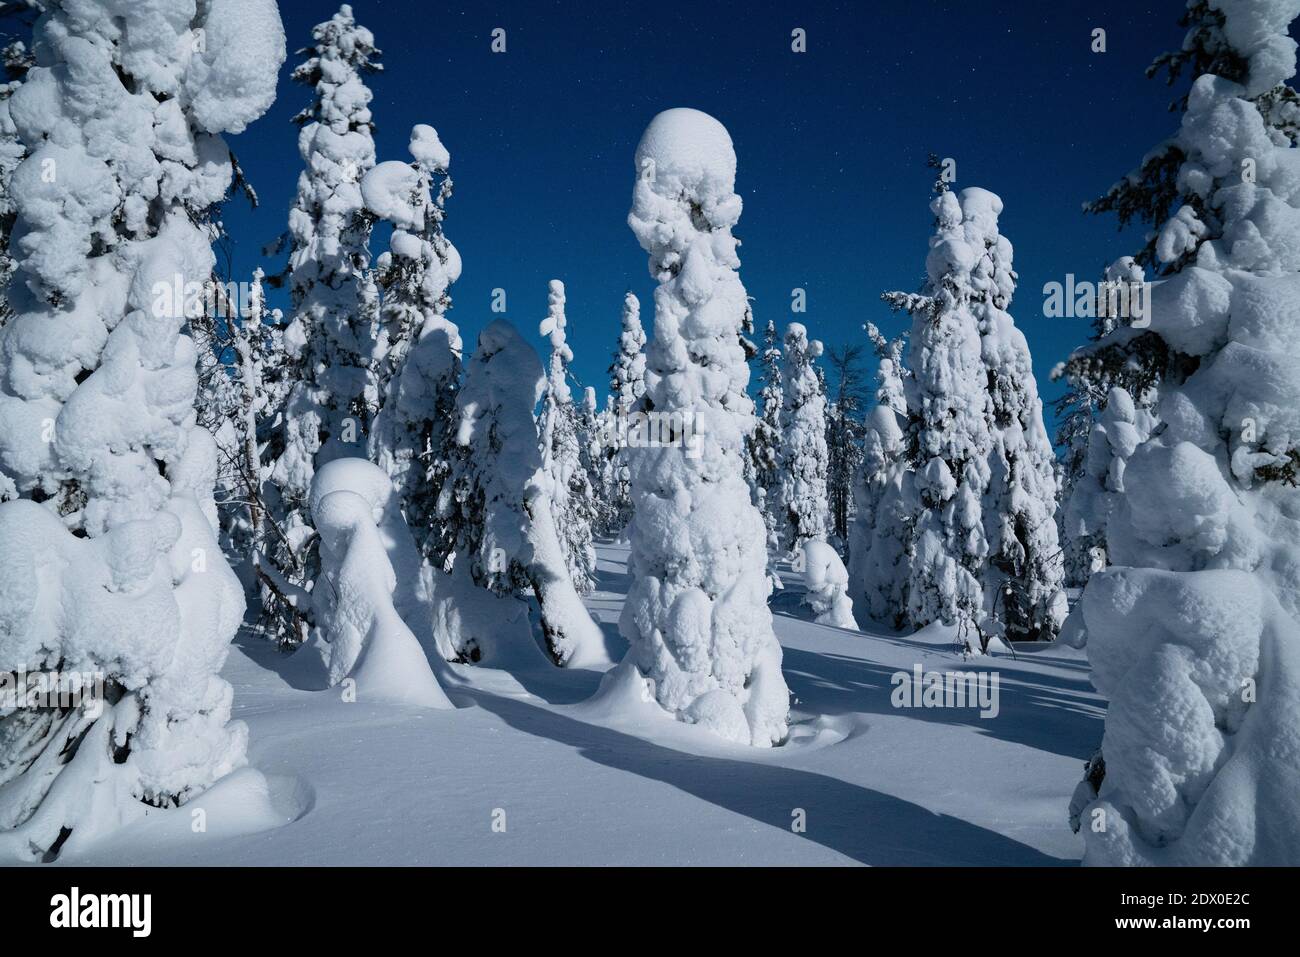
844, 431
802, 478
948, 436
109, 563
696, 614
571, 496
1193, 633
764, 444
627, 393
414, 433
884, 492
334, 333
1024, 593
500, 494
1090, 381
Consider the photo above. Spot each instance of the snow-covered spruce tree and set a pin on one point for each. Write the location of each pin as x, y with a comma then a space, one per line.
1024, 593
1193, 633
801, 481
592, 436
1089, 386
499, 501
880, 540
571, 496
334, 330
108, 559
948, 436
414, 434
627, 391
764, 447
844, 432
696, 614
1152, 194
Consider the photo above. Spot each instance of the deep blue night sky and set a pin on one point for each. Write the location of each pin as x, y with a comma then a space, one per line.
831, 143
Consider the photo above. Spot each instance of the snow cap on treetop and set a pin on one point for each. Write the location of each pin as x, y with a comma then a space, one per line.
427, 149
688, 149
981, 207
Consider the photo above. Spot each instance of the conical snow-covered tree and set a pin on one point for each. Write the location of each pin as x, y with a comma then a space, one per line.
109, 563
334, 334
884, 491
696, 614
1193, 633
592, 437
765, 442
627, 392
1024, 593
948, 432
414, 434
500, 494
802, 480
844, 432
571, 496
1091, 380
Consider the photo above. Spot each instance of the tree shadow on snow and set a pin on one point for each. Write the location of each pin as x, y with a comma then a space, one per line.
1044, 712
865, 825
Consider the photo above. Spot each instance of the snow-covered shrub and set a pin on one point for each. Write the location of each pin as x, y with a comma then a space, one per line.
696, 612
413, 438
827, 582
573, 502
1193, 633
499, 498
802, 471
368, 560
108, 560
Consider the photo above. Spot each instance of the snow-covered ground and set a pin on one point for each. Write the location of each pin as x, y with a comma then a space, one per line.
526, 771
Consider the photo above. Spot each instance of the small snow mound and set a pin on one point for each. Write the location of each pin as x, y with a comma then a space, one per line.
623, 693
722, 714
